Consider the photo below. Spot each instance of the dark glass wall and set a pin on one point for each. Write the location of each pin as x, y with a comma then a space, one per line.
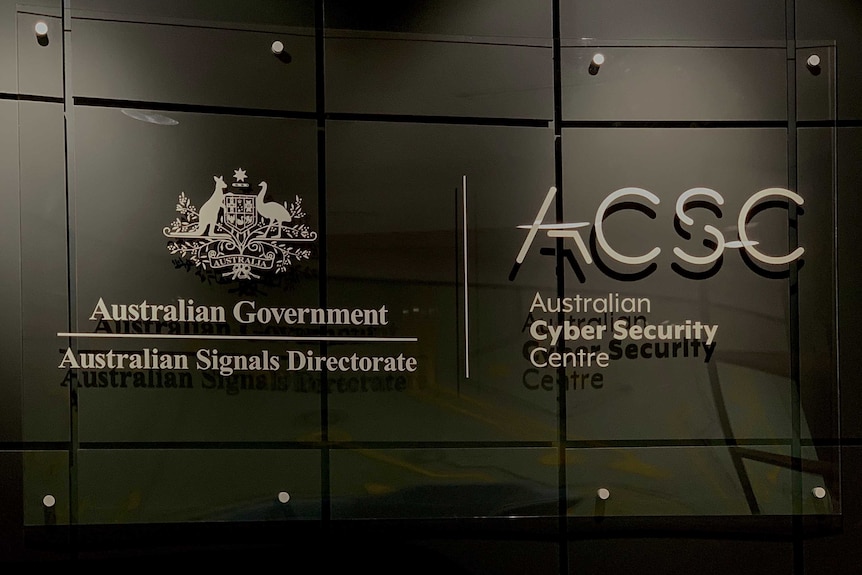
580, 269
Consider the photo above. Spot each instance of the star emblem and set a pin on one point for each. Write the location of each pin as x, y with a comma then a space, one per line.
239, 175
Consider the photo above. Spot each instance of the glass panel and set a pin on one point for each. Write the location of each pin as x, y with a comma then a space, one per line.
685, 84
723, 322
491, 59
736, 480
816, 83
849, 142
680, 20
8, 48
215, 13
168, 486
844, 532
10, 279
481, 18
818, 341
835, 23
774, 482
202, 230
393, 239
667, 481
434, 78
35, 285
40, 57
129, 51
434, 483
216, 336
46, 487
44, 281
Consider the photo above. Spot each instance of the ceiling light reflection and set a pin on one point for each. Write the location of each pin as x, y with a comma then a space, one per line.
150, 117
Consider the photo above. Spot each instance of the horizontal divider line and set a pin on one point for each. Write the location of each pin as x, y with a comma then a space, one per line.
438, 444
600, 43
816, 123
31, 98
338, 34
334, 445
829, 124
393, 445
81, 335
287, 114
32, 12
35, 445
202, 445
674, 123
633, 444
192, 108
826, 442
694, 442
200, 26
425, 119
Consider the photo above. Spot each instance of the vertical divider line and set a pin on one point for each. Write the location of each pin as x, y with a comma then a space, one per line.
16, 476
466, 288
833, 92
320, 109
562, 519
456, 274
71, 265
793, 299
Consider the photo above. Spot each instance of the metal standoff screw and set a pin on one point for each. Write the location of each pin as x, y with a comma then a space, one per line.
41, 29
49, 501
818, 492
603, 493
283, 496
596, 63
279, 52
813, 63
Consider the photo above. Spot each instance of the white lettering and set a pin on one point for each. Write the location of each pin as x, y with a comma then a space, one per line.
600, 234
712, 230
743, 234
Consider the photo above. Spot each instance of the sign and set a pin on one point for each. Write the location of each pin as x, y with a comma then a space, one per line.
239, 232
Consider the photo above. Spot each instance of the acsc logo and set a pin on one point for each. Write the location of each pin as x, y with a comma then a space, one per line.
635, 196
240, 232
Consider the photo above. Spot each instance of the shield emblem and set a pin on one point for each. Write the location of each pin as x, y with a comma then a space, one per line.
240, 213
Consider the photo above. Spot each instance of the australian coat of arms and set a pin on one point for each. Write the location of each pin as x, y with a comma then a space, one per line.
240, 232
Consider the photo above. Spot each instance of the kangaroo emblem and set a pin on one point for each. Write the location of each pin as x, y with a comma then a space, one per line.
208, 214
